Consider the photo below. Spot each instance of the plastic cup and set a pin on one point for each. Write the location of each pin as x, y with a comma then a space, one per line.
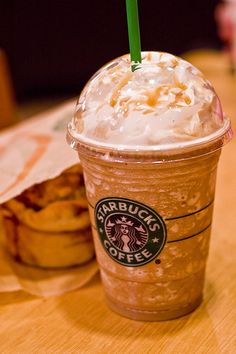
151, 214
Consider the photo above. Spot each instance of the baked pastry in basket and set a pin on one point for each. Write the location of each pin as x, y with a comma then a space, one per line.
48, 224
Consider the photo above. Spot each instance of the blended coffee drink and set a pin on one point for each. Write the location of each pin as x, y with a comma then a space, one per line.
149, 143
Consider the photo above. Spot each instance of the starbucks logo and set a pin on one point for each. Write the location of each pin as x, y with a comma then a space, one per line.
131, 233
126, 233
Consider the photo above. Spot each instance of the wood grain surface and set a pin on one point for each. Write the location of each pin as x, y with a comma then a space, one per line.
80, 322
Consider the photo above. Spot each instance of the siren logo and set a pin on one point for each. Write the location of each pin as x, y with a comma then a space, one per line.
126, 233
131, 233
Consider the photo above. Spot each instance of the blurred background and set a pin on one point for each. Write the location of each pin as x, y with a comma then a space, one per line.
52, 47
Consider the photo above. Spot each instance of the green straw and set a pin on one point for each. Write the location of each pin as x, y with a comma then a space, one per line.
134, 33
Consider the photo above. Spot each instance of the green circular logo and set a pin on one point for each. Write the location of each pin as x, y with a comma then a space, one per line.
131, 233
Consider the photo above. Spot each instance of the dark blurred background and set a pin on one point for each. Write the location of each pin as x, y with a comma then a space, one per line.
54, 46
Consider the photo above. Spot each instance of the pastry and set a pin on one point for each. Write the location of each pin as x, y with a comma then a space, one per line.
48, 224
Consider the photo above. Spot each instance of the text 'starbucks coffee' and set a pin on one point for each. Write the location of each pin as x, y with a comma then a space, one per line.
131, 233
149, 143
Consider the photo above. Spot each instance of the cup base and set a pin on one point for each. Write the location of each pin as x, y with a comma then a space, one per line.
151, 316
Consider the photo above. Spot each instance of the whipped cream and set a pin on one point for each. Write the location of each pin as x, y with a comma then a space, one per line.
165, 100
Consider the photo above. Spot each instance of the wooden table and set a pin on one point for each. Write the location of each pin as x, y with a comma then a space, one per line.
80, 322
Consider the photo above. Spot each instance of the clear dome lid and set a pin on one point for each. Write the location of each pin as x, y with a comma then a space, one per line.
165, 101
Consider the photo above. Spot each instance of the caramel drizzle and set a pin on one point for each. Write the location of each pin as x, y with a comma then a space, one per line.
153, 97
149, 56
116, 92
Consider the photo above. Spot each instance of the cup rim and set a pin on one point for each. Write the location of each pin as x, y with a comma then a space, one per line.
224, 134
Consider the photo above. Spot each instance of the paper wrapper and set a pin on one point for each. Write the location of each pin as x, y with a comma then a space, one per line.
33, 152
